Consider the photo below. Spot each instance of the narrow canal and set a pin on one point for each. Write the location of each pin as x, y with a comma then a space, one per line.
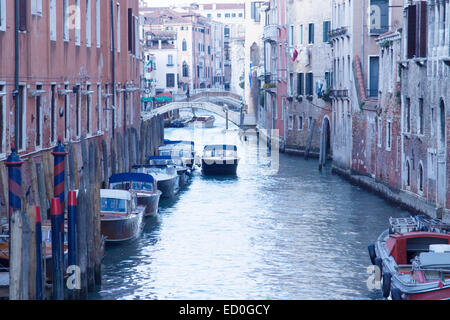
294, 234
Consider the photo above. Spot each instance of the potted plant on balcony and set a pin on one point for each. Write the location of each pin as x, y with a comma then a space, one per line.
299, 98
326, 95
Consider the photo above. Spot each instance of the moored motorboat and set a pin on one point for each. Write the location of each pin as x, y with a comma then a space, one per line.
120, 216
143, 185
167, 179
175, 162
179, 148
413, 257
220, 160
202, 122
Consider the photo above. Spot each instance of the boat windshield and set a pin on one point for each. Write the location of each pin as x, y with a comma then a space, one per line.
120, 186
113, 205
142, 186
219, 153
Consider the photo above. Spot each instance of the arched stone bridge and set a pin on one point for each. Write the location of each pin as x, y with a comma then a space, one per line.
210, 100
233, 116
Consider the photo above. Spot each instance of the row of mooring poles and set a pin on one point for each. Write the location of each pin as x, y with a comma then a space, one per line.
19, 264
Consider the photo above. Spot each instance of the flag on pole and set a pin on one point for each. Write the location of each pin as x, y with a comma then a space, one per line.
294, 55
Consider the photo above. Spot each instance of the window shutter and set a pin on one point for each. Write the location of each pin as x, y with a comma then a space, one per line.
411, 48
23, 13
421, 24
130, 30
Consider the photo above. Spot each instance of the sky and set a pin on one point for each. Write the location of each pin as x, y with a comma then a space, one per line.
165, 3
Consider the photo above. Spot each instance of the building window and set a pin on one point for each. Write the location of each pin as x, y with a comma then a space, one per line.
226, 32
300, 38
107, 106
184, 46
78, 111
22, 117
219, 15
23, 15
408, 115
38, 105
2, 119
311, 33
98, 23
36, 7
407, 173
300, 83
374, 63
66, 20
118, 28
379, 131
416, 30
227, 15
309, 84
379, 16
291, 123
66, 114
2, 15
88, 109
185, 69
88, 23
170, 60
291, 84
326, 31
420, 117
420, 178
53, 116
77, 23
291, 36
442, 121
131, 32
388, 135
99, 108
300, 123
52, 18
170, 80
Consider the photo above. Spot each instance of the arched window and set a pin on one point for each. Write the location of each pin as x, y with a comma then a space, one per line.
184, 45
420, 178
185, 69
408, 174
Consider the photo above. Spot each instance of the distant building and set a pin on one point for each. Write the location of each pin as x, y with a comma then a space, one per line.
161, 61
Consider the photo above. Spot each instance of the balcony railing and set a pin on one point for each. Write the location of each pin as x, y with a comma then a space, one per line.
342, 31
270, 32
270, 81
339, 93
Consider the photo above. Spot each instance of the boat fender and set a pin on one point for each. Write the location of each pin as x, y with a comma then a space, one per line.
396, 294
379, 264
386, 284
372, 253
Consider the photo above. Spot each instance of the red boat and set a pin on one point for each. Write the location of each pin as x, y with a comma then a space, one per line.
413, 256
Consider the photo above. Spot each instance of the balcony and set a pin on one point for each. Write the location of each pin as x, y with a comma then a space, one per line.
270, 82
270, 32
339, 32
339, 93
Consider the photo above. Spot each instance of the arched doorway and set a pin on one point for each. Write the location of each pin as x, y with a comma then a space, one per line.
325, 142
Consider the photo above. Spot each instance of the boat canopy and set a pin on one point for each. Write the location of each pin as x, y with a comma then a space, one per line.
115, 194
220, 146
131, 176
169, 142
163, 158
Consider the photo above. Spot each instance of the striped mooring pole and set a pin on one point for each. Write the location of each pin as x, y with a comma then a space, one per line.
57, 251
59, 154
39, 260
14, 164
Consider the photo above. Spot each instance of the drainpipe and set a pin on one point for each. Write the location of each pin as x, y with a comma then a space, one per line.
16, 76
113, 71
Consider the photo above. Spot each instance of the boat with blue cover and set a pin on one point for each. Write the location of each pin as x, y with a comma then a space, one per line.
143, 185
167, 179
179, 148
220, 160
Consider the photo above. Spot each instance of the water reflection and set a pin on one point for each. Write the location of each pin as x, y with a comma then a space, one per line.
296, 234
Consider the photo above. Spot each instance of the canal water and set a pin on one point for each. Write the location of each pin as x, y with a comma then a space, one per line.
291, 233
